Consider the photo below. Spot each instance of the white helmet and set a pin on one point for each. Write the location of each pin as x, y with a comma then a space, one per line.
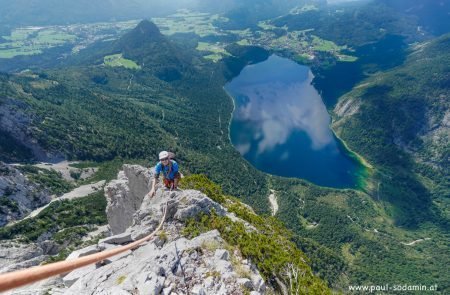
163, 155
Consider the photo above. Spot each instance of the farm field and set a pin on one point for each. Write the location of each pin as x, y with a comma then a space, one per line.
35, 40
186, 21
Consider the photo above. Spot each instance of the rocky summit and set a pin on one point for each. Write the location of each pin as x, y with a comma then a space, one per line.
168, 264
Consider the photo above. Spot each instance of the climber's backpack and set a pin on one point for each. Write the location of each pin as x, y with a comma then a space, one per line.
172, 156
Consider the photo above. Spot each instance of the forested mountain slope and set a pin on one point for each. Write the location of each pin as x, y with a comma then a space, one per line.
353, 24
432, 15
97, 112
399, 121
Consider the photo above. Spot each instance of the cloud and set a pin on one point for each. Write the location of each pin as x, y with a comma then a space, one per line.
243, 148
276, 108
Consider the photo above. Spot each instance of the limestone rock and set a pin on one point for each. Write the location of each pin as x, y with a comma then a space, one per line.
117, 239
222, 254
83, 252
20, 194
168, 263
75, 275
246, 283
12, 254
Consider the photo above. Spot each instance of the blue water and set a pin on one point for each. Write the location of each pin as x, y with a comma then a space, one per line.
281, 126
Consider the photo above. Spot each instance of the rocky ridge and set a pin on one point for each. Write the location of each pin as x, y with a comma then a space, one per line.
168, 264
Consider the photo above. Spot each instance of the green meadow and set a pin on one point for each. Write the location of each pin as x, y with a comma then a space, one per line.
29, 41
117, 60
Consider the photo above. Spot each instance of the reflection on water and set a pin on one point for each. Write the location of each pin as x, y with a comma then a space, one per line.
280, 120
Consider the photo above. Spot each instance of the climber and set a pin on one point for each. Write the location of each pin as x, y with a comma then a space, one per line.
169, 168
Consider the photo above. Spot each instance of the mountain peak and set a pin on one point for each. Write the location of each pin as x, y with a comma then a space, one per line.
148, 47
145, 32
146, 29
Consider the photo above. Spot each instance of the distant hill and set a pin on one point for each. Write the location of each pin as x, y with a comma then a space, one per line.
432, 16
353, 23
361, 22
146, 45
247, 13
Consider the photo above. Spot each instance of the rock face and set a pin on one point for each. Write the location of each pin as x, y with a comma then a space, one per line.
15, 121
14, 256
18, 196
347, 107
168, 264
125, 196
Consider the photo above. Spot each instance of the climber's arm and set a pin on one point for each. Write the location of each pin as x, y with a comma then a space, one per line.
154, 181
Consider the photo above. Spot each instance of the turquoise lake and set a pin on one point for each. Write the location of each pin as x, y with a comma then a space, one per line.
281, 126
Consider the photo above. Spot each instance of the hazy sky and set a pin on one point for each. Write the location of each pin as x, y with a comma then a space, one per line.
341, 1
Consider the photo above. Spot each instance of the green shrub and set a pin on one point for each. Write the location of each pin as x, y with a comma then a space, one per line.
273, 254
8, 203
203, 184
58, 216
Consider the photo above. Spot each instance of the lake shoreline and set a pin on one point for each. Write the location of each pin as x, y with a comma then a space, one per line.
360, 158
304, 147
367, 167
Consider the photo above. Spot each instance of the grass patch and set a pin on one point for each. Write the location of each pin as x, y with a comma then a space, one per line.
213, 57
162, 235
186, 21
217, 51
347, 58
324, 45
117, 60
12, 52
243, 42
